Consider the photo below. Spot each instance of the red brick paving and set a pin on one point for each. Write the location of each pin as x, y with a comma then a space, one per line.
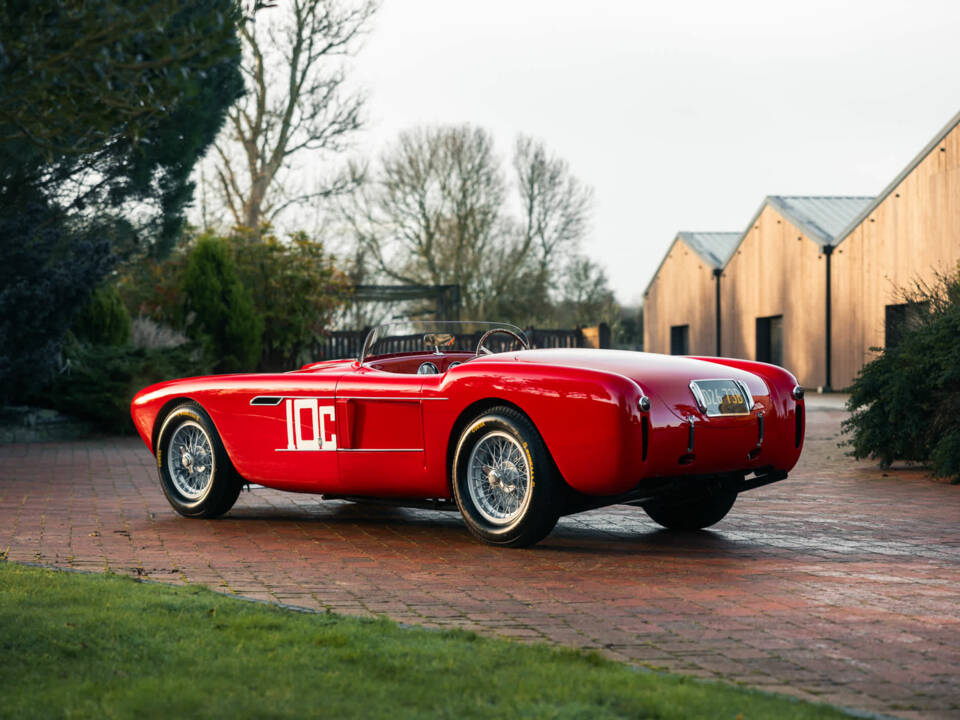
841, 584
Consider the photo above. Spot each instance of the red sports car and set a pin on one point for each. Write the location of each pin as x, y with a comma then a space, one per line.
465, 416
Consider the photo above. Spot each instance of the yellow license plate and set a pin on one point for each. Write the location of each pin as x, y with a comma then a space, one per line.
722, 397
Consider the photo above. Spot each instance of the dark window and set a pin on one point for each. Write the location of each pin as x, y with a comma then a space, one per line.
899, 319
770, 339
680, 340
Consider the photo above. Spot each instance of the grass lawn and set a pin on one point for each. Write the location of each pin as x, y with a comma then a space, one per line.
76, 645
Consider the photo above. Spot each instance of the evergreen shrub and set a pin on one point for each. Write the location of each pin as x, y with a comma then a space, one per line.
905, 404
296, 289
98, 382
105, 319
218, 309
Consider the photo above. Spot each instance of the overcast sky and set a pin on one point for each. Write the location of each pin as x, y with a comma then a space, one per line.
681, 115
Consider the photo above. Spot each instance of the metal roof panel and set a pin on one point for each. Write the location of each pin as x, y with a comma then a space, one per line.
821, 218
715, 248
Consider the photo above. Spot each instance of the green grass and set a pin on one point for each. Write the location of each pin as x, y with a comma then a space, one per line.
75, 645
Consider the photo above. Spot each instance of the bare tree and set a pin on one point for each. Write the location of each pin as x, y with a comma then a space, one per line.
555, 204
252, 7
536, 248
432, 211
296, 103
436, 211
543, 241
585, 295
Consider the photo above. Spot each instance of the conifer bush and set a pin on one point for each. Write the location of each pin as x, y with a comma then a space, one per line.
296, 288
98, 382
105, 319
294, 284
905, 404
218, 309
101, 368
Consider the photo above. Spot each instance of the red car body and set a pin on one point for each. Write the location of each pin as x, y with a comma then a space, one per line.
619, 426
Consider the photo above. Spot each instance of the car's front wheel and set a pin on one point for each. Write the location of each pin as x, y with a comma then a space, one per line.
195, 473
692, 515
504, 481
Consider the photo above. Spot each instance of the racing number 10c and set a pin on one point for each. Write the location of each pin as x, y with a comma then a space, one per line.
318, 416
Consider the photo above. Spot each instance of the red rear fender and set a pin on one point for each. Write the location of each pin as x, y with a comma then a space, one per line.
589, 419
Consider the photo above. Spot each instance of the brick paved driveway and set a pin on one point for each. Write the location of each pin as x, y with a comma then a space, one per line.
841, 584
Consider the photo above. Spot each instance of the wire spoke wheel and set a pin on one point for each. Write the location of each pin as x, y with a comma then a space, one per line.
196, 474
504, 481
190, 460
498, 477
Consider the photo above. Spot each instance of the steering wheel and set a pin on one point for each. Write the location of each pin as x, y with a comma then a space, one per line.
488, 333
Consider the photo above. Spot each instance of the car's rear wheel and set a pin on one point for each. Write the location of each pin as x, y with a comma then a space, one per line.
504, 481
692, 515
195, 473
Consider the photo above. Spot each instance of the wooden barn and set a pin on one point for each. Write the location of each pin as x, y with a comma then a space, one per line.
909, 233
813, 283
774, 285
681, 307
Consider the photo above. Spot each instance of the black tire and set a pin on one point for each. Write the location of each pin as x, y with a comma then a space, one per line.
538, 509
215, 492
693, 515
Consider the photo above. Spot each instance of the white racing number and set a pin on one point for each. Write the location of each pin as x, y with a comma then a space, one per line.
308, 423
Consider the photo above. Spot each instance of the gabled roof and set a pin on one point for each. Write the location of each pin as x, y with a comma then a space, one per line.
820, 218
911, 166
714, 248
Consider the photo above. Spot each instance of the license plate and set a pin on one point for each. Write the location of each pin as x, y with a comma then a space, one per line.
722, 397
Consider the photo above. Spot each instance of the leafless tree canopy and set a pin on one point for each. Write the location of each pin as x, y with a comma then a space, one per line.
297, 106
586, 298
556, 205
431, 213
439, 209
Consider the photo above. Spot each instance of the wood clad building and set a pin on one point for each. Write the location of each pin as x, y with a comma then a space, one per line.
813, 282
680, 303
774, 285
909, 233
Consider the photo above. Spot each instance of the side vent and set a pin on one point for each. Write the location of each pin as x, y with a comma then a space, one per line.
266, 400
798, 433
645, 436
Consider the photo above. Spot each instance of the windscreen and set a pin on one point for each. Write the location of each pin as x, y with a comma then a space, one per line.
440, 336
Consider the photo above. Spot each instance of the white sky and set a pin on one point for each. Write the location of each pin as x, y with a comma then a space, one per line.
681, 115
